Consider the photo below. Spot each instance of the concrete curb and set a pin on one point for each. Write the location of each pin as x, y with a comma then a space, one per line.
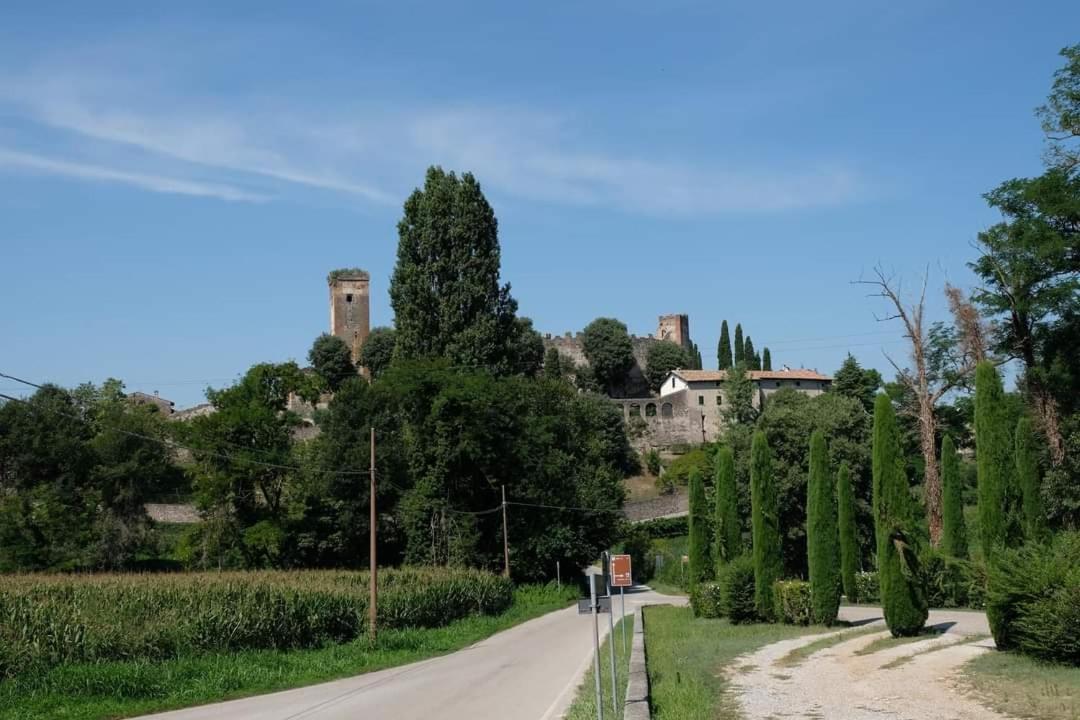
636, 704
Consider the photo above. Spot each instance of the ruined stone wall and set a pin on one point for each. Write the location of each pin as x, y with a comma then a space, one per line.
571, 345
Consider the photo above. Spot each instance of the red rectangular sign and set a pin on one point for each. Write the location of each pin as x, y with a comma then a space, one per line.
620, 571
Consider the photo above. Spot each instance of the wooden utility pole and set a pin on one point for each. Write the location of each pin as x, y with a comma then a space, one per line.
506, 538
373, 573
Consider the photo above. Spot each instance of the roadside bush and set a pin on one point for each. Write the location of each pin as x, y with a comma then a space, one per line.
705, 599
737, 588
866, 584
666, 527
652, 462
953, 582
793, 602
51, 620
1033, 599
637, 544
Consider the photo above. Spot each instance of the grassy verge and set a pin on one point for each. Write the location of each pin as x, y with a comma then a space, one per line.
687, 657
888, 642
800, 654
1024, 687
89, 691
584, 705
904, 659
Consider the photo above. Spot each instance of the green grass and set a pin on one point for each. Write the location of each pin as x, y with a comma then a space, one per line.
800, 654
88, 691
1024, 687
886, 643
904, 659
584, 705
687, 657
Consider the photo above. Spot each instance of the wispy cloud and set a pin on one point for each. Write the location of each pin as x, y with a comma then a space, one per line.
377, 154
155, 183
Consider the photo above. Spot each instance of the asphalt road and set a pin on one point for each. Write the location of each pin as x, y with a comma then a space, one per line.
529, 672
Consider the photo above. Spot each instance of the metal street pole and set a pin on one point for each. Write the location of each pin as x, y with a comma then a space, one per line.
596, 648
506, 538
622, 600
611, 637
373, 573
558, 574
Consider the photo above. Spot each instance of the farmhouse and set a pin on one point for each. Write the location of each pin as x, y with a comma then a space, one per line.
691, 404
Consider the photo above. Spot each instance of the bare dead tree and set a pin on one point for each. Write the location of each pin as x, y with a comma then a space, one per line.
927, 386
973, 331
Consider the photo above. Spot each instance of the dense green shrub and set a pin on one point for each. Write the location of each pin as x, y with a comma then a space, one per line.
867, 588
953, 582
954, 530
652, 462
701, 565
637, 543
849, 543
794, 602
903, 595
1033, 599
738, 590
666, 527
679, 470
768, 562
705, 599
823, 553
49, 620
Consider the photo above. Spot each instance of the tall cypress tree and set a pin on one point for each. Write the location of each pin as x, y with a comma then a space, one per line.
766, 359
726, 520
740, 357
768, 562
849, 544
822, 553
701, 566
999, 524
1027, 474
954, 530
748, 353
903, 595
723, 349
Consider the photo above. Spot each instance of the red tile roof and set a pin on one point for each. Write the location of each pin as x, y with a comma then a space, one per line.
720, 375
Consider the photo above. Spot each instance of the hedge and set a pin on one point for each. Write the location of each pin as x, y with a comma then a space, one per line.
793, 602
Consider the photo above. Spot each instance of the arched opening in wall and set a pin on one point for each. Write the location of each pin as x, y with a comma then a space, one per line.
635, 410
650, 410
666, 410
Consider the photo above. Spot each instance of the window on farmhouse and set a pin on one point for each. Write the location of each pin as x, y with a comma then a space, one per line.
700, 399
348, 298
719, 399
666, 410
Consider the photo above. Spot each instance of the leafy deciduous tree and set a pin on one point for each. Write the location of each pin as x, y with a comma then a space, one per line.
663, 357
332, 360
377, 352
607, 347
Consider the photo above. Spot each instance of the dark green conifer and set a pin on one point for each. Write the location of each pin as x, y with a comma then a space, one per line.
726, 520
701, 565
823, 553
740, 357
999, 524
766, 359
1027, 474
723, 350
903, 595
768, 562
849, 544
953, 528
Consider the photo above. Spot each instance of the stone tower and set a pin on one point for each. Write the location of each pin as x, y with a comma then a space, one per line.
676, 329
350, 314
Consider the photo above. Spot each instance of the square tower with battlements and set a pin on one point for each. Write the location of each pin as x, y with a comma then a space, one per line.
676, 329
350, 313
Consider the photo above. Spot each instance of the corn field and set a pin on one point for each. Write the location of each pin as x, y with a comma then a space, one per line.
50, 620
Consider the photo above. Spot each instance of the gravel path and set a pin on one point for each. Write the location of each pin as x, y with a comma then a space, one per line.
837, 684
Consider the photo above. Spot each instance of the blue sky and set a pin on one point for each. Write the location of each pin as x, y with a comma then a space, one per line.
175, 184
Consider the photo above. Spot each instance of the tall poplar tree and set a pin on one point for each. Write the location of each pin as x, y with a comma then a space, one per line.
701, 565
849, 544
1027, 474
726, 520
723, 350
768, 561
954, 540
823, 554
903, 594
999, 525
445, 290
739, 357
766, 359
